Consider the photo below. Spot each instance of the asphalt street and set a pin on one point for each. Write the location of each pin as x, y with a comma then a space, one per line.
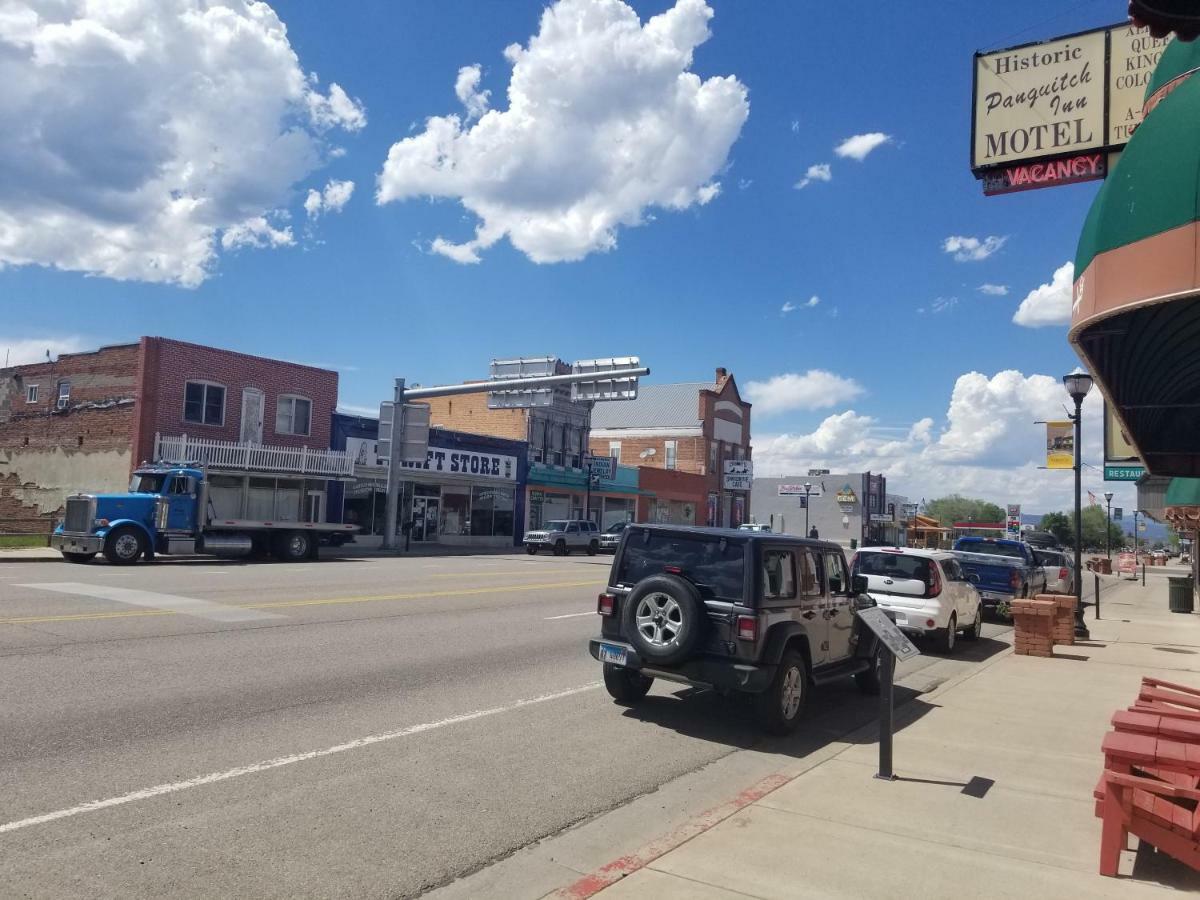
368, 728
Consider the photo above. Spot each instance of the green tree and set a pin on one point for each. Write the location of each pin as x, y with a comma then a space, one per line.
1059, 524
956, 508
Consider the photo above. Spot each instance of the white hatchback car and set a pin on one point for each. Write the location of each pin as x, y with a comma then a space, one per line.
926, 590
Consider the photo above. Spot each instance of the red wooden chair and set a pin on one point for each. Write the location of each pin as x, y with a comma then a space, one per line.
1158, 725
1166, 816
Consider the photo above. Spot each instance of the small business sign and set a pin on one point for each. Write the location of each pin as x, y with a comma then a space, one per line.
1126, 564
1118, 513
601, 466
537, 497
1012, 524
738, 482
910, 510
739, 467
880, 517
846, 495
466, 462
797, 490
1029, 176
1123, 473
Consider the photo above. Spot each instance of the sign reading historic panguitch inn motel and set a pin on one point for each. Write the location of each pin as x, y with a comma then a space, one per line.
1051, 113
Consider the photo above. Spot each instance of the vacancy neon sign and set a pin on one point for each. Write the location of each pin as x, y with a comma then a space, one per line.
1027, 177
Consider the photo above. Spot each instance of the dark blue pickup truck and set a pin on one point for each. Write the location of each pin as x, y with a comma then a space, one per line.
1001, 570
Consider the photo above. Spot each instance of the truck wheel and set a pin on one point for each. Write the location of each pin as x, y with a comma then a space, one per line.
531, 550
947, 639
778, 708
626, 686
79, 558
124, 546
593, 548
293, 546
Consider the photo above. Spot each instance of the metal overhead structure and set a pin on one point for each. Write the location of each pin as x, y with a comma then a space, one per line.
527, 383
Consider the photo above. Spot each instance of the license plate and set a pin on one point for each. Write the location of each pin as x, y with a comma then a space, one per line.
611, 654
901, 619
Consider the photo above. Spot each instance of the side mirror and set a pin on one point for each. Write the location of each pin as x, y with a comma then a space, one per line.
859, 584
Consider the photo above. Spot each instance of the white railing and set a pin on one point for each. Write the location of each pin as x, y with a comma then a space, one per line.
252, 457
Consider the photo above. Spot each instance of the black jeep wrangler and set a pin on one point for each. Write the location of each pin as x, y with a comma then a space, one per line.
760, 613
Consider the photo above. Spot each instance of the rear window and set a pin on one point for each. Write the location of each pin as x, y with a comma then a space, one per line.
715, 565
893, 565
991, 549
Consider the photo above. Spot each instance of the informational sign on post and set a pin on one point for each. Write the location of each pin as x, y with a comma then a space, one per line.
601, 466
895, 646
885, 629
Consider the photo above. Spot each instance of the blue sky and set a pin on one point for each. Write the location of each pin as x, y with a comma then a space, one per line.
691, 289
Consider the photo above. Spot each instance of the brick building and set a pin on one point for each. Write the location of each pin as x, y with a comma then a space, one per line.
681, 436
557, 436
85, 420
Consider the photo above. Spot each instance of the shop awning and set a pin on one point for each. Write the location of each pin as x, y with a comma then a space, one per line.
1183, 503
1136, 305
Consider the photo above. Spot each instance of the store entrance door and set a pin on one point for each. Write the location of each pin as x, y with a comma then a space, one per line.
425, 518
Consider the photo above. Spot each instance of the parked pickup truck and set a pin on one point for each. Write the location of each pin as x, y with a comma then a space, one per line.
1002, 570
183, 509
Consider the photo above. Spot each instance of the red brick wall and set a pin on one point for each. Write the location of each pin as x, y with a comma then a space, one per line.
165, 366
47, 453
669, 485
470, 413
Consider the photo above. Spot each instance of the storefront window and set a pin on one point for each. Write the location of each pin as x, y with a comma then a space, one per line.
456, 510
491, 511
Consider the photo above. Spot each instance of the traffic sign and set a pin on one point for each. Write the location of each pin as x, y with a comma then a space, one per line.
522, 367
414, 441
606, 386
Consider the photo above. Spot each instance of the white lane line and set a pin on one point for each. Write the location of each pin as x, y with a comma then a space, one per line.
214, 777
188, 606
590, 612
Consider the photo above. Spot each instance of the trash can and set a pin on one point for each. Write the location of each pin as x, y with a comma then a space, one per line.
854, 545
1180, 594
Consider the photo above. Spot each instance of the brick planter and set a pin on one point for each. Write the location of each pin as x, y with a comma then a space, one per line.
1033, 622
1063, 630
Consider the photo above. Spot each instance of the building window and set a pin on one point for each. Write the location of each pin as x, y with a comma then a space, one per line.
31, 393
571, 438
492, 511
712, 457
739, 451
293, 415
670, 447
614, 450
64, 395
204, 403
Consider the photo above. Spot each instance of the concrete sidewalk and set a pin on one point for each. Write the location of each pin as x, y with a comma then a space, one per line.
994, 797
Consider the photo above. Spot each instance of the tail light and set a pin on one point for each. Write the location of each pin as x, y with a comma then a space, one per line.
1014, 579
935, 581
606, 604
747, 628
1063, 575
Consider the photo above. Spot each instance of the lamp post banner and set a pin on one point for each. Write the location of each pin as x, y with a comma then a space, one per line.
1060, 445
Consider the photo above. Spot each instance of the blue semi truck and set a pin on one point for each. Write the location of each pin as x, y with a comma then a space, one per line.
181, 510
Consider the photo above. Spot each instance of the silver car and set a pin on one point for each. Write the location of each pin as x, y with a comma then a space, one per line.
561, 536
1059, 571
610, 537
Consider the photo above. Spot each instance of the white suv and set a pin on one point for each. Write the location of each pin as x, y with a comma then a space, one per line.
564, 535
926, 590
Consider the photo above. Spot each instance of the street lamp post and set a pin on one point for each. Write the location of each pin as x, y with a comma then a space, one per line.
807, 495
1078, 383
1108, 495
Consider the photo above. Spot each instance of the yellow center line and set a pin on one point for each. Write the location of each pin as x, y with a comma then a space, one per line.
324, 601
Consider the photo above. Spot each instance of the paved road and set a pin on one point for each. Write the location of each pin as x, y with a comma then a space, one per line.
366, 728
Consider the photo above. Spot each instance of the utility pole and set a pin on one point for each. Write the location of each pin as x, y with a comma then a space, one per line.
807, 494
1108, 495
395, 451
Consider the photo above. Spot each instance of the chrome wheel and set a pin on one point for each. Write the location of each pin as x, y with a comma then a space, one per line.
792, 692
127, 546
659, 619
297, 545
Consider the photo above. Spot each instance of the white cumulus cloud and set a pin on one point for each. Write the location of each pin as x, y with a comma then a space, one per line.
859, 146
133, 134
994, 290
814, 300
814, 389
818, 172
605, 121
256, 232
466, 89
987, 443
788, 307
17, 351
972, 249
1048, 304
335, 196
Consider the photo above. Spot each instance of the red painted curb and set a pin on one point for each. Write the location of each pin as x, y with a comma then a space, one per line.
610, 873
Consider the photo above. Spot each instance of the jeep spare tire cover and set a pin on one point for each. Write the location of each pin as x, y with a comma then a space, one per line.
663, 619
